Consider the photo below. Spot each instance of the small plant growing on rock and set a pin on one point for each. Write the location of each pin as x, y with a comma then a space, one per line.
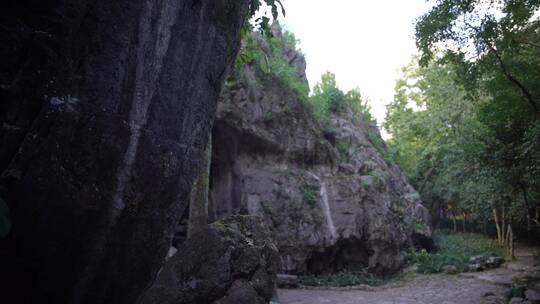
343, 151
310, 197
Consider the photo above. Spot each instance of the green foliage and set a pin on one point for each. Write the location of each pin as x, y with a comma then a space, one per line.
464, 152
262, 23
464, 123
378, 143
310, 197
453, 249
328, 98
5, 221
266, 53
342, 279
343, 151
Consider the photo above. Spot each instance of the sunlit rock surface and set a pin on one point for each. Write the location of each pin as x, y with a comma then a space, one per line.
330, 198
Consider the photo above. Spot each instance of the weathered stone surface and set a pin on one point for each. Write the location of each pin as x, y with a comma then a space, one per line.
231, 261
328, 208
103, 115
287, 281
474, 267
516, 301
532, 296
493, 300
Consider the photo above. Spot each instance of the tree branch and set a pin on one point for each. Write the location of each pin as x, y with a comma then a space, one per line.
507, 74
516, 82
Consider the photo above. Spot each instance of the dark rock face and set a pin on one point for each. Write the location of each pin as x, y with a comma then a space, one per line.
231, 261
331, 200
103, 115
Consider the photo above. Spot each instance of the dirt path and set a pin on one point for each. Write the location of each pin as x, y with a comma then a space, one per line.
466, 288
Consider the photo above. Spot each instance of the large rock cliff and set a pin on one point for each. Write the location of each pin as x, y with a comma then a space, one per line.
330, 198
104, 115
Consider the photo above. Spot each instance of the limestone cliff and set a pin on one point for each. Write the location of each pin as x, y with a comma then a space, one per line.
105, 111
330, 198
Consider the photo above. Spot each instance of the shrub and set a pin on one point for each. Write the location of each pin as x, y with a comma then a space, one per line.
343, 151
341, 279
453, 249
328, 98
271, 62
310, 197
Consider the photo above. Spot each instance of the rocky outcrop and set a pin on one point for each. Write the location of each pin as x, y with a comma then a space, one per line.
104, 115
231, 261
329, 196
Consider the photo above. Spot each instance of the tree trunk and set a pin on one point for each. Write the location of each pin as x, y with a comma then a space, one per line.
498, 226
509, 242
526, 202
198, 207
503, 222
454, 221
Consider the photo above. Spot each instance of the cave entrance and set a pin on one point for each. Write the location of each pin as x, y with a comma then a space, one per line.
349, 254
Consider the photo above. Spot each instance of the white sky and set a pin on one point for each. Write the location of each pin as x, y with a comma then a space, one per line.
364, 42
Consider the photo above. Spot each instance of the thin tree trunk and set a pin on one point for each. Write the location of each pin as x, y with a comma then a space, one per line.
497, 225
454, 221
526, 201
503, 222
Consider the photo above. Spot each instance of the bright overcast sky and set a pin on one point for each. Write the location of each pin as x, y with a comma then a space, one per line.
364, 42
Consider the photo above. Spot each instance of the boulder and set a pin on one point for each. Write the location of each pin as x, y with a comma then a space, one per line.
493, 299
287, 281
528, 279
231, 261
494, 262
532, 296
479, 262
477, 259
474, 267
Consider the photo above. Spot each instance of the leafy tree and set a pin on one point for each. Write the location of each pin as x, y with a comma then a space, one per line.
465, 121
328, 98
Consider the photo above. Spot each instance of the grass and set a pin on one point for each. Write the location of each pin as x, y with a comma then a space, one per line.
342, 279
453, 249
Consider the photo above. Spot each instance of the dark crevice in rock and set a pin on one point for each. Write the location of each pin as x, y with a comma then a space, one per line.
420, 241
347, 254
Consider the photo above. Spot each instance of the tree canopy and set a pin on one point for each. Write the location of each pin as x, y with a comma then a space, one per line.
465, 119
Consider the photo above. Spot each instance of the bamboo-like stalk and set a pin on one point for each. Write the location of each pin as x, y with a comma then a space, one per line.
497, 225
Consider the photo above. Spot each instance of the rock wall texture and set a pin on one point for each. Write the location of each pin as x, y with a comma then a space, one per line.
330, 198
105, 107
229, 262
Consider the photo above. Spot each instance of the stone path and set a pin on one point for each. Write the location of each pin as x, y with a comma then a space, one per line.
428, 289
465, 288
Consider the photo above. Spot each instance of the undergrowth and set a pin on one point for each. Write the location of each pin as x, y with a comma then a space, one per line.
453, 249
342, 279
